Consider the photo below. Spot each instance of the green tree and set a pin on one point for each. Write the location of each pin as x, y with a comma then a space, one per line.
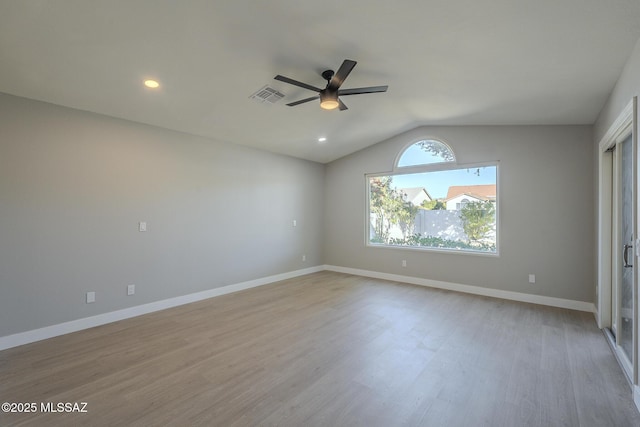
388, 208
386, 205
437, 149
407, 218
378, 190
478, 219
433, 205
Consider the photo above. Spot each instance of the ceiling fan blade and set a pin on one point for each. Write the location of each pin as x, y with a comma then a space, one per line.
341, 75
359, 90
302, 101
341, 105
296, 83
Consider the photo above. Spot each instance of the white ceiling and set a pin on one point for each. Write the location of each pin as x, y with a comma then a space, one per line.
446, 62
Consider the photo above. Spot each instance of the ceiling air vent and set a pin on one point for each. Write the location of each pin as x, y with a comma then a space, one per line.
267, 95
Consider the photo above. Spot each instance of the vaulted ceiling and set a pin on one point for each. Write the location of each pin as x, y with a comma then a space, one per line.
455, 62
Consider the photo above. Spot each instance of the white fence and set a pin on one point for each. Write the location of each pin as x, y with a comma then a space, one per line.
439, 223
445, 224
436, 223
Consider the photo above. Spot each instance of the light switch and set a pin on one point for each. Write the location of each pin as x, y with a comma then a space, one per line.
91, 297
142, 226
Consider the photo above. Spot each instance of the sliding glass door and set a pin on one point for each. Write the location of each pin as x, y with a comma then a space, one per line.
624, 291
618, 249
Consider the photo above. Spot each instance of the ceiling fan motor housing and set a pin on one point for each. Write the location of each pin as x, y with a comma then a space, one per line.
327, 75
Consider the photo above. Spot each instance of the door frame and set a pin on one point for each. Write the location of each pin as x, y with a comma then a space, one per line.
625, 125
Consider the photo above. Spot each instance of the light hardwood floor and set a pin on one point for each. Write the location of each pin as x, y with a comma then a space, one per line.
328, 349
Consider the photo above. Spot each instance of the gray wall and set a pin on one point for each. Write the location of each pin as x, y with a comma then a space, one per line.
73, 186
626, 88
545, 210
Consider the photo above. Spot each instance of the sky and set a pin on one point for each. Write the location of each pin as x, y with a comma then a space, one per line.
438, 183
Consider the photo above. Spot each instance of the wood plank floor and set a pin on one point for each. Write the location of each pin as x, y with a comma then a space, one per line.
328, 349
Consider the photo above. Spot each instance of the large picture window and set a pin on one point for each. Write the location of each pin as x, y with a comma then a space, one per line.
431, 202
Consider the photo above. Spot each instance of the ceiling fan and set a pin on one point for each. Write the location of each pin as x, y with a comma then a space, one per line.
329, 95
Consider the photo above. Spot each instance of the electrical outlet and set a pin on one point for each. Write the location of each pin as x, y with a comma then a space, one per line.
91, 297
304, 258
131, 289
532, 278
404, 262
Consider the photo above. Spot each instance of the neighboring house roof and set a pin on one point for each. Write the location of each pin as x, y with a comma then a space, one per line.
414, 192
470, 196
482, 192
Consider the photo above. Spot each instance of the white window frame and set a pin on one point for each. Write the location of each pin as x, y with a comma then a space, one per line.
430, 167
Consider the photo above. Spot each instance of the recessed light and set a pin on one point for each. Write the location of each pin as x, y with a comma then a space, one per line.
322, 139
153, 84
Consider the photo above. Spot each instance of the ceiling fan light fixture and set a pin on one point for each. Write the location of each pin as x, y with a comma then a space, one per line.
152, 84
329, 100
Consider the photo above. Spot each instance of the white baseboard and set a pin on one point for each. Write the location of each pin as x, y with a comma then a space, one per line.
34, 335
476, 290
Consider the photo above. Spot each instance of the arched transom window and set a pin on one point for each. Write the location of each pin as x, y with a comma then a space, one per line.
425, 152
